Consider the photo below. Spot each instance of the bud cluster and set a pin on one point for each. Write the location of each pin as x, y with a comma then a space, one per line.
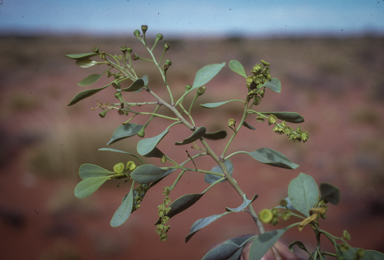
138, 195
260, 75
162, 229
122, 171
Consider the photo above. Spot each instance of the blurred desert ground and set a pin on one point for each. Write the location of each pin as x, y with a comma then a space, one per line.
336, 84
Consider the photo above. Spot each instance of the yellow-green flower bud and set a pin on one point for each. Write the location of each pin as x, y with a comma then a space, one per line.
346, 235
166, 191
360, 253
123, 48
187, 87
95, 49
260, 119
163, 159
231, 122
119, 96
265, 63
167, 64
167, 46
163, 237
118, 168
278, 130
103, 113
272, 119
201, 91
141, 132
256, 69
257, 100
131, 166
266, 215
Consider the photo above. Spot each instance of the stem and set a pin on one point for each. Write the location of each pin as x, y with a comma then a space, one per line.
237, 130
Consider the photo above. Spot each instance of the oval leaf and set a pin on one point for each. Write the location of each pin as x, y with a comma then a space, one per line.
303, 193
85, 63
291, 117
89, 185
181, 204
272, 157
205, 74
244, 205
210, 178
248, 126
84, 94
119, 151
217, 104
199, 132
274, 84
90, 80
147, 145
135, 86
329, 193
81, 55
230, 249
221, 134
124, 210
237, 67
124, 131
201, 223
264, 242
147, 173
88, 170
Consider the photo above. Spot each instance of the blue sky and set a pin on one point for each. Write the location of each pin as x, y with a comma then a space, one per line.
194, 18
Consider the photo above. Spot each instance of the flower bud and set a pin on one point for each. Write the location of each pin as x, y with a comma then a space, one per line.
272, 119
144, 28
116, 85
118, 168
346, 235
134, 56
159, 37
137, 33
265, 63
257, 101
103, 113
266, 215
231, 122
95, 49
123, 48
131, 166
141, 132
260, 119
201, 91
129, 50
167, 64
167, 46
187, 87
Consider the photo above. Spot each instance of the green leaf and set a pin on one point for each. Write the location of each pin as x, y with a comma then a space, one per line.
244, 205
124, 210
205, 74
221, 134
81, 55
237, 67
230, 249
135, 86
291, 117
181, 204
329, 193
217, 104
210, 178
124, 131
84, 94
86, 63
119, 151
201, 223
264, 242
90, 80
197, 134
88, 170
147, 145
303, 193
147, 173
89, 185
248, 126
155, 153
274, 84
368, 254
271, 157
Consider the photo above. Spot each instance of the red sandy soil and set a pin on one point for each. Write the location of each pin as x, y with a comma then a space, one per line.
41, 218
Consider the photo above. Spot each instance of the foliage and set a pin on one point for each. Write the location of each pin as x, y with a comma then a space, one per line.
303, 202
